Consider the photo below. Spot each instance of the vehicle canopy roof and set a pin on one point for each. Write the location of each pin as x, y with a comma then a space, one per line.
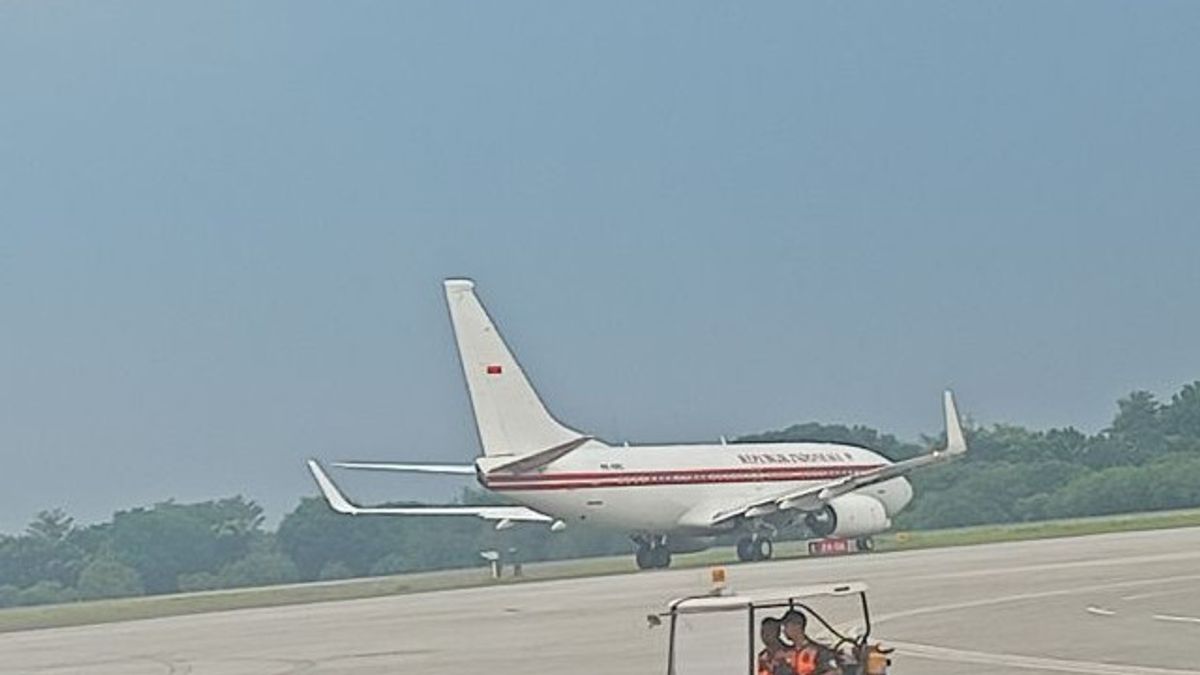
766, 598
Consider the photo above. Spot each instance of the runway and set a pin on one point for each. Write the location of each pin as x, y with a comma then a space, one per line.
1125, 603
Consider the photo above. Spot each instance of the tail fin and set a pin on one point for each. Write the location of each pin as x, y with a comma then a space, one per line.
508, 413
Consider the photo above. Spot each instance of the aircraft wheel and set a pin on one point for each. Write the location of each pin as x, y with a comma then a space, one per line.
764, 548
645, 557
745, 549
661, 556
866, 544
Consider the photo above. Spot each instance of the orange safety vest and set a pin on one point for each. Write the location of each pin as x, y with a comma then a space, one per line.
766, 662
804, 660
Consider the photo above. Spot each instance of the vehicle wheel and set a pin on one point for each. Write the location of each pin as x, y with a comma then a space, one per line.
866, 544
745, 549
764, 548
662, 557
645, 557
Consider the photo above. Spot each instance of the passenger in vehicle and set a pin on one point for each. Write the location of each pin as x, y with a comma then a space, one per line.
775, 657
805, 655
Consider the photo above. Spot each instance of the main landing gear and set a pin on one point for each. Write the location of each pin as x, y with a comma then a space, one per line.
755, 547
652, 553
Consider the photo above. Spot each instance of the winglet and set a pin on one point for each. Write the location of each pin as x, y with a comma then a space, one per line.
337, 501
956, 443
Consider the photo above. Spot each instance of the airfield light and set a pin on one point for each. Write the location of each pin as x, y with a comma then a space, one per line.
717, 577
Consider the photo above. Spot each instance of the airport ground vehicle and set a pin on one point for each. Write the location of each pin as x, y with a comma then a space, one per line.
718, 633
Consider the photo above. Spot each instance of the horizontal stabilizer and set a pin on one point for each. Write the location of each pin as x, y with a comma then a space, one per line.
447, 469
338, 502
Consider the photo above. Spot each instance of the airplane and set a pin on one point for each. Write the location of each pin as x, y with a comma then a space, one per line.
669, 498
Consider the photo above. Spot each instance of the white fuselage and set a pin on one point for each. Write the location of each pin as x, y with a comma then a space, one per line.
677, 488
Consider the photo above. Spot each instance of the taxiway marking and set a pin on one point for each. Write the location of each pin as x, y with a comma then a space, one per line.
1176, 619
1031, 662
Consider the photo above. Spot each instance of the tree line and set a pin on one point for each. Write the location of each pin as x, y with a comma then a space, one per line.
1147, 459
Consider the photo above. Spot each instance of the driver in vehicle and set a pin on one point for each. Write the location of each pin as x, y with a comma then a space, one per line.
775, 657
807, 656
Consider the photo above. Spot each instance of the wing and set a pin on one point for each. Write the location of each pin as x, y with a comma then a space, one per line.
447, 469
811, 499
504, 514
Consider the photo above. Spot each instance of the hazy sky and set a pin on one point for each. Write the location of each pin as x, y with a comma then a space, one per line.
223, 226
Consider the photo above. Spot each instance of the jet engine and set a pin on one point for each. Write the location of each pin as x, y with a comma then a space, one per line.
849, 516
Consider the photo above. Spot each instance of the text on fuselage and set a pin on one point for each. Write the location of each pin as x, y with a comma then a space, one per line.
824, 457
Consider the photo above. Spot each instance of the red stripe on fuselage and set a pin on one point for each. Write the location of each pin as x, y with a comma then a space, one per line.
576, 480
